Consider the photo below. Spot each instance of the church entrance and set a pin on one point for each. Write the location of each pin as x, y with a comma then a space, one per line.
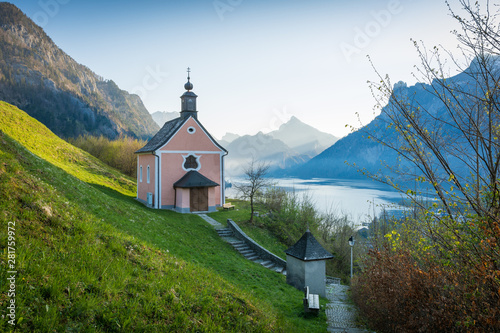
199, 199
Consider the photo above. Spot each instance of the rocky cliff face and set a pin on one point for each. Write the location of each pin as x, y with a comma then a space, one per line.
70, 99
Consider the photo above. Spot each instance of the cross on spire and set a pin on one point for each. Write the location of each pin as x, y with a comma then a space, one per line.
188, 86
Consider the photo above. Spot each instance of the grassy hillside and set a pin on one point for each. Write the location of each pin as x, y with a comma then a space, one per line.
39, 140
90, 258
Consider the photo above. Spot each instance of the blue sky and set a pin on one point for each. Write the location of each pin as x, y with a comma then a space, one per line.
254, 63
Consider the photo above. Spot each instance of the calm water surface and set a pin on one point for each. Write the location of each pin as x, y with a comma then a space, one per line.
357, 198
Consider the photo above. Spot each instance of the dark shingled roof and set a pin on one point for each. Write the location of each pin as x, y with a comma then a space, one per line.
307, 248
194, 179
167, 131
163, 135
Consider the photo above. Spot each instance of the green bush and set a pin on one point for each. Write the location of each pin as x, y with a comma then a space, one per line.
118, 153
289, 215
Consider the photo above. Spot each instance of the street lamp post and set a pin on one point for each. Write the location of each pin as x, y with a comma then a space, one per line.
351, 243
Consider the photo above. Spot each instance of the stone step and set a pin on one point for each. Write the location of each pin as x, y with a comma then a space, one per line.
224, 231
278, 269
236, 242
249, 254
268, 264
253, 257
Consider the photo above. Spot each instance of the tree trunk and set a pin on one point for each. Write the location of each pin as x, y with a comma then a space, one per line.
251, 209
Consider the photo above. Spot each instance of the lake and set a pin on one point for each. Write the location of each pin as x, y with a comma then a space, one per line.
360, 199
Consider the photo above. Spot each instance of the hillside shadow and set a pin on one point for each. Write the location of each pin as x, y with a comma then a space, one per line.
116, 194
129, 199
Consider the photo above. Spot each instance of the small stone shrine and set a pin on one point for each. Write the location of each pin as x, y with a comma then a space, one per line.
305, 265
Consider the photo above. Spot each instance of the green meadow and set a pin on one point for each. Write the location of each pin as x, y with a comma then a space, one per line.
90, 258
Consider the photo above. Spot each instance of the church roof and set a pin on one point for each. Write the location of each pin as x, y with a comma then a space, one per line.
194, 179
163, 135
307, 248
167, 132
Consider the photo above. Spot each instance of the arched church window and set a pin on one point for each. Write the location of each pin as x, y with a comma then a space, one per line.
191, 162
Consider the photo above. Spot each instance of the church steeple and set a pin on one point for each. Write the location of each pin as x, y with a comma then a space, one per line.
188, 100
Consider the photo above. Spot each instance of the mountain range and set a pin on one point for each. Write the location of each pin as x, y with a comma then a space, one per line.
302, 138
71, 100
294, 143
67, 97
359, 152
161, 117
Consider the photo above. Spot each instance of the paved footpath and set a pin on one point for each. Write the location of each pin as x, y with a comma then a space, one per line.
341, 316
210, 220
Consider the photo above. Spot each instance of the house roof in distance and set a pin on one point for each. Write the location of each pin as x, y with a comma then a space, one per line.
307, 248
194, 179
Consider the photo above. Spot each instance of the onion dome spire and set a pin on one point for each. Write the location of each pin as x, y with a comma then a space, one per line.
188, 86
188, 100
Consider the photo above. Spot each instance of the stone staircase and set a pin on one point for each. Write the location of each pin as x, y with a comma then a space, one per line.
247, 252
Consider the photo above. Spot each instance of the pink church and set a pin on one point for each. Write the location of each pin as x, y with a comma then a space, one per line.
182, 166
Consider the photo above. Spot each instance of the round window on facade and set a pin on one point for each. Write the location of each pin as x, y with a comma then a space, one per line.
191, 130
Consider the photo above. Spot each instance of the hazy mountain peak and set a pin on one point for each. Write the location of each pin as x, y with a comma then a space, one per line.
230, 137
303, 137
292, 144
293, 121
